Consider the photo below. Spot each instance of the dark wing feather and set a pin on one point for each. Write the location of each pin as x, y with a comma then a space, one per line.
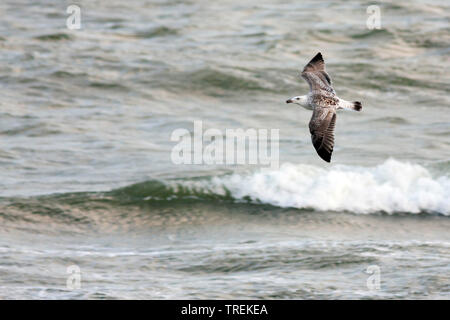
321, 127
314, 73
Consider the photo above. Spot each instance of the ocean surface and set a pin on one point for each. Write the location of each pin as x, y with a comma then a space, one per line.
92, 205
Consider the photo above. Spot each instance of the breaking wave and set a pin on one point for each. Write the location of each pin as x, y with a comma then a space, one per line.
391, 187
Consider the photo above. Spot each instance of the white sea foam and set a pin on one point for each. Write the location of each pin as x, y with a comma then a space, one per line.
392, 186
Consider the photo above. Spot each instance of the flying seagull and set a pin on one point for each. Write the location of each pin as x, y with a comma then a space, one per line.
324, 103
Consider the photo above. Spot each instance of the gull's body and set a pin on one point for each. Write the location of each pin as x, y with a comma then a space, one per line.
324, 103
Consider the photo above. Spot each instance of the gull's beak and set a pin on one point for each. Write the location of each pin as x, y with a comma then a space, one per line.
289, 101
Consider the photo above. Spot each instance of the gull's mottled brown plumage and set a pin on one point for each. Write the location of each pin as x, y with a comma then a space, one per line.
314, 73
321, 127
324, 100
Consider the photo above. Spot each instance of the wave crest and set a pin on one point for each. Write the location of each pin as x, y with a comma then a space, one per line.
391, 187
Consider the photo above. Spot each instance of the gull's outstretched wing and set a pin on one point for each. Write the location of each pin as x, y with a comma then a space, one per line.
314, 73
321, 127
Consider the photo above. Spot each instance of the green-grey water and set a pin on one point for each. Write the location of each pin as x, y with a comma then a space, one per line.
87, 178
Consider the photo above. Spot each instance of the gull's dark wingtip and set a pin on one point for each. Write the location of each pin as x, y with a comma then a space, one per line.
316, 63
317, 57
324, 154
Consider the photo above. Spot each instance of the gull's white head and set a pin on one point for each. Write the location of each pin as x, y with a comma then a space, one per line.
300, 100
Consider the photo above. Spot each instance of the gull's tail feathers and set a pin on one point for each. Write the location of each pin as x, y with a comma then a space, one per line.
357, 106
347, 105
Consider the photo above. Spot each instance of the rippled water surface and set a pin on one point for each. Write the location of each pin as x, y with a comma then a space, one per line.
86, 179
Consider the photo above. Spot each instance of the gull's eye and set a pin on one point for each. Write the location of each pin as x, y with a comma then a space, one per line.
298, 98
